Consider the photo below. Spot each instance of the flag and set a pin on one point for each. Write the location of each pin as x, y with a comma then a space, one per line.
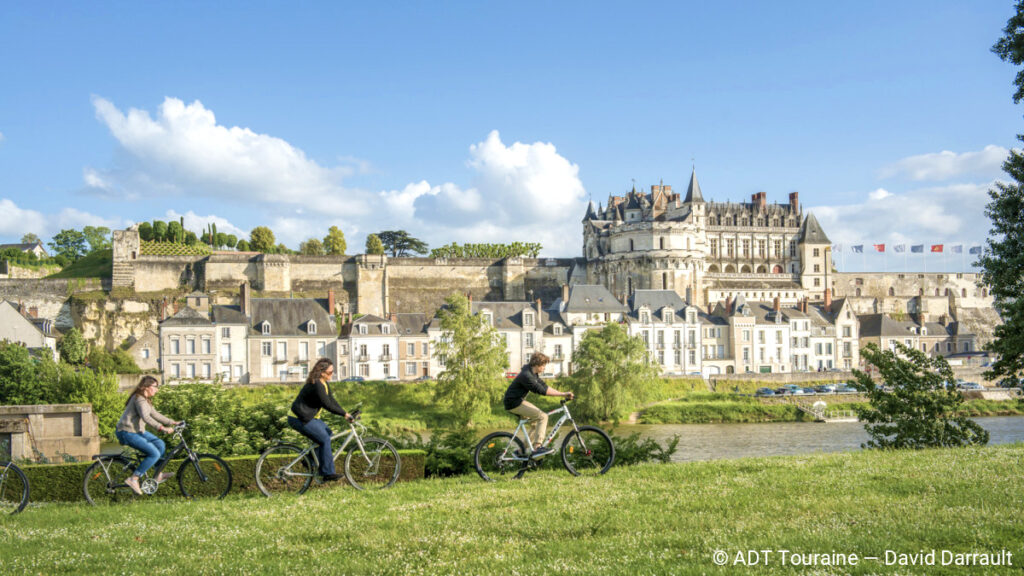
975, 250
957, 248
837, 247
899, 248
879, 247
936, 247
858, 249
917, 249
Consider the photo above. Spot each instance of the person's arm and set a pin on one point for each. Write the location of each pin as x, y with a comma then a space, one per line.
552, 392
328, 402
149, 414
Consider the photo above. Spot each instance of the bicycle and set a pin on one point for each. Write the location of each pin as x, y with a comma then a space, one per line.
586, 450
200, 475
369, 462
13, 488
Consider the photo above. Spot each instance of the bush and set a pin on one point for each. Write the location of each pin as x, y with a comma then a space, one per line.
117, 362
80, 386
632, 449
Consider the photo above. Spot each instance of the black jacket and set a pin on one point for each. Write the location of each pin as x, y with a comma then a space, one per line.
523, 384
314, 397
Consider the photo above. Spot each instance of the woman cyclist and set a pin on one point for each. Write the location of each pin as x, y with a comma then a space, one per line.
131, 430
314, 397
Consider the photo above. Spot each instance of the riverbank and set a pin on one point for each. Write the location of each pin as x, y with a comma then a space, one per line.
709, 408
650, 519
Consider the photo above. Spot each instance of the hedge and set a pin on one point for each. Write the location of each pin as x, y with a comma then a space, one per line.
63, 482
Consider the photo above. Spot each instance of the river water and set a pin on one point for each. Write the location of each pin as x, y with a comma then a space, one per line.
724, 441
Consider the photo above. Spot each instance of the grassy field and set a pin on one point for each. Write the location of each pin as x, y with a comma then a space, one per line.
99, 264
651, 519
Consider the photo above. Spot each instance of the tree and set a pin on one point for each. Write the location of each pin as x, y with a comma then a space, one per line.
920, 409
282, 249
399, 243
190, 238
261, 239
24, 379
311, 247
473, 357
69, 243
612, 373
175, 233
73, 348
29, 238
242, 246
98, 237
334, 242
146, 231
1002, 263
159, 230
231, 241
374, 245
221, 240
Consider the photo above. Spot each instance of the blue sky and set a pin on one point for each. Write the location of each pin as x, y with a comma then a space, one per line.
475, 122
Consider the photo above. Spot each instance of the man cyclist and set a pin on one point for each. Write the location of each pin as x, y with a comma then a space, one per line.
528, 381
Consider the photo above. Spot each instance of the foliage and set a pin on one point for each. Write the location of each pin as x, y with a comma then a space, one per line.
73, 348
99, 264
281, 249
146, 231
261, 239
920, 409
374, 245
29, 259
400, 243
243, 245
25, 379
118, 361
172, 249
334, 242
175, 233
612, 373
81, 386
513, 250
633, 449
231, 240
29, 238
448, 452
159, 230
473, 358
98, 237
311, 247
69, 243
190, 238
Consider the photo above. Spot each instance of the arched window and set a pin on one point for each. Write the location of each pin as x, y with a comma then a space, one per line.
729, 269
745, 269
963, 293
777, 269
661, 243
892, 291
311, 327
762, 269
858, 291
713, 269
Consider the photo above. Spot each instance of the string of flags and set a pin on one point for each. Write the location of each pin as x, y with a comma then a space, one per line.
914, 248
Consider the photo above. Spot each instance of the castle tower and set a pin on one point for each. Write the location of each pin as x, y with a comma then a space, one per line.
815, 250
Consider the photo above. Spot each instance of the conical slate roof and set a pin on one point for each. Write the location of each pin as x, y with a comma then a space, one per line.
693, 192
590, 215
811, 232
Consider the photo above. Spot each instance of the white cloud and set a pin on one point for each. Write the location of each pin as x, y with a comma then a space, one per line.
951, 214
525, 192
15, 222
184, 151
1, 136
945, 165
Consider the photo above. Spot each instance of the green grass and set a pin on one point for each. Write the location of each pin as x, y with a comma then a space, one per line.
99, 264
651, 519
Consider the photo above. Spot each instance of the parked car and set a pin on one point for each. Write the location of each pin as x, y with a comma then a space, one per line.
810, 391
354, 379
825, 389
764, 392
782, 392
970, 386
390, 378
423, 379
798, 390
844, 389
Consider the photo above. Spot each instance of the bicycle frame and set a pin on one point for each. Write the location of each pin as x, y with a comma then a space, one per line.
566, 417
311, 451
133, 455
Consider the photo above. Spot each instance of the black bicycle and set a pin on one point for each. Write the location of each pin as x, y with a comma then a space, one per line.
199, 476
13, 488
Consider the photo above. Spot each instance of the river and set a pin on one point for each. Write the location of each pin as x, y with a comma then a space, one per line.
725, 441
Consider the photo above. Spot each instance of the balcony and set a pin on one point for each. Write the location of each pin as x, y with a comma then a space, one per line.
677, 345
385, 357
363, 358
558, 357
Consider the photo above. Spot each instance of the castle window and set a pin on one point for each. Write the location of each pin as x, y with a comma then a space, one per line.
630, 244
963, 293
892, 291
661, 243
528, 319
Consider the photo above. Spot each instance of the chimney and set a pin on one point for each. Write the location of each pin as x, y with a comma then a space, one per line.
759, 200
393, 318
330, 301
33, 312
778, 305
803, 305
943, 320
245, 300
794, 201
728, 305
21, 308
828, 300
539, 309
565, 294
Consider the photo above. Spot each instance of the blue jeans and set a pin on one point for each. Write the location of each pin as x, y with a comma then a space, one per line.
317, 431
146, 443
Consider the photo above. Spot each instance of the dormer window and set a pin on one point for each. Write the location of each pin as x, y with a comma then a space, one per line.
666, 316
645, 318
311, 327
528, 319
488, 319
385, 329
362, 328
557, 330
691, 318
265, 328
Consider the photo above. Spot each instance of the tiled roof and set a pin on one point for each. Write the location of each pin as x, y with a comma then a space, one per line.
592, 298
187, 316
291, 316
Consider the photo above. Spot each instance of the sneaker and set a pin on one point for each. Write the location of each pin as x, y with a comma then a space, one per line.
332, 477
133, 483
164, 476
540, 452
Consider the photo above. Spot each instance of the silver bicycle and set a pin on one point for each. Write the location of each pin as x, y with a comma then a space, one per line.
370, 463
586, 450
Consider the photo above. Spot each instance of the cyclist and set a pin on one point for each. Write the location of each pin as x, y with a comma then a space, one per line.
528, 381
131, 430
314, 397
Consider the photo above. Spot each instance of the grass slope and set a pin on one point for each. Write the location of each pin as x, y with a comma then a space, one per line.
99, 264
652, 519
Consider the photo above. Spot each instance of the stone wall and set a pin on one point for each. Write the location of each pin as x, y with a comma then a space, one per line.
51, 431
932, 294
159, 273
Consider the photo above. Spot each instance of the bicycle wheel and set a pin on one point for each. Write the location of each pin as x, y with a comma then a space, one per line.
284, 468
495, 457
375, 467
213, 482
13, 489
106, 485
588, 452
